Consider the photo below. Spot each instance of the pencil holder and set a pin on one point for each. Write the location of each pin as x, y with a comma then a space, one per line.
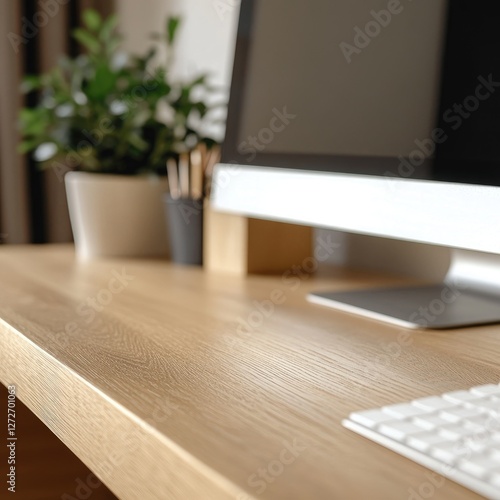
185, 226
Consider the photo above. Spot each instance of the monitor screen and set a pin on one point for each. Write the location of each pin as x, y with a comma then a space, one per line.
396, 88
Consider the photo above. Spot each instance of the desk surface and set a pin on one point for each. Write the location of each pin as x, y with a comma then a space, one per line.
169, 382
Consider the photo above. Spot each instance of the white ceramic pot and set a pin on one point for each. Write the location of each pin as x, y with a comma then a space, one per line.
117, 215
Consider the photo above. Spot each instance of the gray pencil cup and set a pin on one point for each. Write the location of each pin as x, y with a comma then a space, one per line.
185, 226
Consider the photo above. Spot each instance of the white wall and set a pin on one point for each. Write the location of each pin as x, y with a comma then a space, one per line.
206, 44
205, 40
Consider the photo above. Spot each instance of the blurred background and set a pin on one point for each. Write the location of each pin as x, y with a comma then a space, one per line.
35, 34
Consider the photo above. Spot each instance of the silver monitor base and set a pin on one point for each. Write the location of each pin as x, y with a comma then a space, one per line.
469, 295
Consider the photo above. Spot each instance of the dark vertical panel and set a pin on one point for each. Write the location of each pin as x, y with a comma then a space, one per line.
35, 178
13, 171
78, 6
53, 38
1, 205
73, 20
472, 60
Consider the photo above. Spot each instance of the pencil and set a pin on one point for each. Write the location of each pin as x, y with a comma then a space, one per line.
173, 178
213, 159
184, 174
196, 175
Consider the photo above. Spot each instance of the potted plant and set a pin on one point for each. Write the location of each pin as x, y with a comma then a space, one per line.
107, 122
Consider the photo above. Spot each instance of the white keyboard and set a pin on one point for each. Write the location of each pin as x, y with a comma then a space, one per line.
456, 434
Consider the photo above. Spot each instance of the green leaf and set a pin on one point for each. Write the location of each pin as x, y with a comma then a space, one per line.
137, 141
102, 84
87, 40
30, 83
26, 146
141, 117
158, 108
34, 121
92, 19
172, 25
107, 28
198, 81
201, 107
113, 44
27, 115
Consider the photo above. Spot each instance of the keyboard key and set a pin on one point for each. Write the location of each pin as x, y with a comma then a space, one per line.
371, 418
460, 413
426, 440
433, 403
455, 432
404, 410
459, 431
460, 396
485, 420
491, 405
468, 446
494, 478
478, 466
450, 452
491, 423
494, 454
476, 428
476, 445
486, 390
399, 429
430, 422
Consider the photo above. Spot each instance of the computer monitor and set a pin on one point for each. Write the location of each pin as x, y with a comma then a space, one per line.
379, 119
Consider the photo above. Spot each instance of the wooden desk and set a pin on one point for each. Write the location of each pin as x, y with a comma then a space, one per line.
164, 394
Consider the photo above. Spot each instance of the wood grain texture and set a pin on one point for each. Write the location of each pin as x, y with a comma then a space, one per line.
46, 469
190, 385
235, 244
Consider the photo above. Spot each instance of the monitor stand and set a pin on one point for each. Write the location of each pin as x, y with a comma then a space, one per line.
469, 295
